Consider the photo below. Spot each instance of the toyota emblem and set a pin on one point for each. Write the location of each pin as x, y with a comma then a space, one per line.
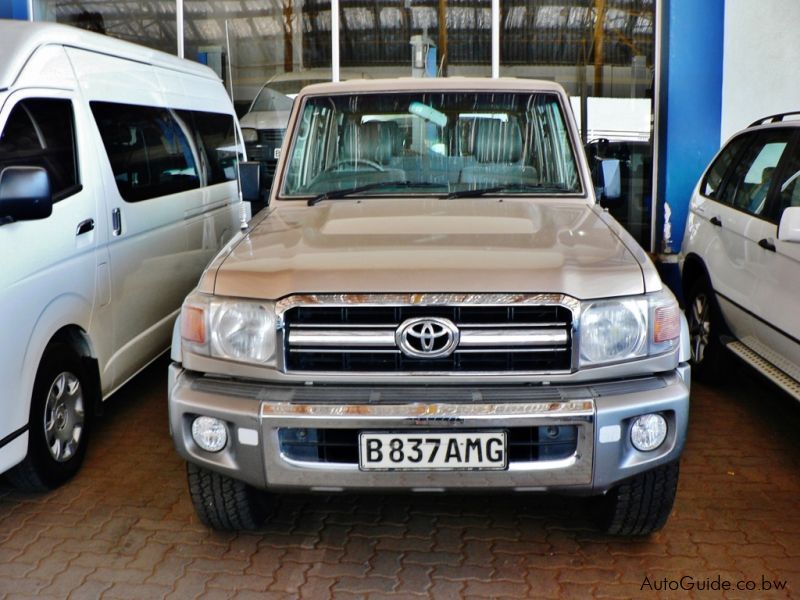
427, 337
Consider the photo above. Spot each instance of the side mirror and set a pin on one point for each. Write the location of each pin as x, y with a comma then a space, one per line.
611, 188
789, 226
25, 194
250, 180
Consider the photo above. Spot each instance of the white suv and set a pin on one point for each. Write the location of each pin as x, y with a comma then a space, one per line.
741, 255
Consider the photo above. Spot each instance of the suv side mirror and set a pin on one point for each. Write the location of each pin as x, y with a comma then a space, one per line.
250, 180
611, 181
25, 194
789, 226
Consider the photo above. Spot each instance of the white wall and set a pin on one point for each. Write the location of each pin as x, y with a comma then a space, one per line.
761, 64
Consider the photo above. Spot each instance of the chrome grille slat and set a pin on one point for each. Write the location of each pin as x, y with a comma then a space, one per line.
512, 339
499, 350
469, 338
345, 350
353, 339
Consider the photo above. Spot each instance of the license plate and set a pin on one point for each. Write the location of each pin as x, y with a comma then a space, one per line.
432, 451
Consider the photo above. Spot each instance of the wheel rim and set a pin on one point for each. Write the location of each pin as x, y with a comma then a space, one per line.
699, 327
64, 417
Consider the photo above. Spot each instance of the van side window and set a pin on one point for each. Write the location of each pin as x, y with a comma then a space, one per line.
149, 150
41, 133
216, 142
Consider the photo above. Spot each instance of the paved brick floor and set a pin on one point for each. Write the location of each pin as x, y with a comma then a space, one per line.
124, 528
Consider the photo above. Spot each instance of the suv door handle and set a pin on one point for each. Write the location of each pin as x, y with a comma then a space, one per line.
85, 226
767, 244
116, 222
715, 221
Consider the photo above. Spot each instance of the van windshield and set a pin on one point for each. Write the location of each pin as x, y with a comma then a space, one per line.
431, 143
270, 100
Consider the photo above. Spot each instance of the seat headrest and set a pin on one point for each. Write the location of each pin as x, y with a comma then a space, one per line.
496, 141
373, 140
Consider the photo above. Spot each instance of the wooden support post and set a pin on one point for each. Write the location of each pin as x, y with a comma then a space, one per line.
599, 34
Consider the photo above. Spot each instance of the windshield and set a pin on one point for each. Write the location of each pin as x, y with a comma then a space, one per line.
270, 100
447, 142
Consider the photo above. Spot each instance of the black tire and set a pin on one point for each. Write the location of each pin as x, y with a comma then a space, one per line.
59, 422
705, 327
641, 505
224, 503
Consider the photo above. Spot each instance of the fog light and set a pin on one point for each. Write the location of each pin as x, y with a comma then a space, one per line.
209, 433
648, 432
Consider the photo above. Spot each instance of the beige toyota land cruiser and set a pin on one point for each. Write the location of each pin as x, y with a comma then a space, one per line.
433, 301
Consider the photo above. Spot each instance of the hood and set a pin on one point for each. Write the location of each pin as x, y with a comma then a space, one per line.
265, 119
477, 245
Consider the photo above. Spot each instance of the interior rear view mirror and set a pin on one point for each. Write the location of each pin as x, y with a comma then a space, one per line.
789, 227
25, 194
250, 180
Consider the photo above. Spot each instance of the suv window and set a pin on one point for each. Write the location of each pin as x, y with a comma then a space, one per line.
41, 133
716, 174
148, 149
788, 186
748, 185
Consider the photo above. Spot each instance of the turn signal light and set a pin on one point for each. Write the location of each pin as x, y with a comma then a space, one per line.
667, 323
193, 325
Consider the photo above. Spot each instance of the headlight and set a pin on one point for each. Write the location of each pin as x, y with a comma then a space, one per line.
628, 328
613, 330
249, 135
231, 329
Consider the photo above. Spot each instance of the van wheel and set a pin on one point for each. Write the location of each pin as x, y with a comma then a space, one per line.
640, 505
224, 503
58, 428
705, 323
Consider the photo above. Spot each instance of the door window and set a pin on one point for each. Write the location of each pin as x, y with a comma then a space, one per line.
750, 180
40, 132
716, 174
788, 186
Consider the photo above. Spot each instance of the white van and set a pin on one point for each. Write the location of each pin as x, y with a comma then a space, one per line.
117, 186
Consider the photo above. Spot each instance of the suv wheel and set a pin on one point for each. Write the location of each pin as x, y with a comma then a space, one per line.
640, 505
705, 323
224, 503
58, 424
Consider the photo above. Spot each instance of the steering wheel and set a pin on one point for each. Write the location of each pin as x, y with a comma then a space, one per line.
355, 161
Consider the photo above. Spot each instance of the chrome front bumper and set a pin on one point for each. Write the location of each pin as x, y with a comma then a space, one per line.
602, 414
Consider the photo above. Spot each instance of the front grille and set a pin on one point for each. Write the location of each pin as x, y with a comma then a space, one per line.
273, 137
525, 444
263, 151
493, 339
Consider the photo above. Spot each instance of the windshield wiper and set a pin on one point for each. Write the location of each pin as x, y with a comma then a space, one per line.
333, 194
502, 188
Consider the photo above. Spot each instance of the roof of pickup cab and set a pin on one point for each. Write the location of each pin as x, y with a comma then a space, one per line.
20, 39
432, 84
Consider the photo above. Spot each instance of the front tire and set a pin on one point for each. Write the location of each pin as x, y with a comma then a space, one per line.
705, 327
642, 504
224, 503
58, 426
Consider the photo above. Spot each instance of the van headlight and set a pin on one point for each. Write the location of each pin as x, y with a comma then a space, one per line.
228, 328
249, 135
628, 328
